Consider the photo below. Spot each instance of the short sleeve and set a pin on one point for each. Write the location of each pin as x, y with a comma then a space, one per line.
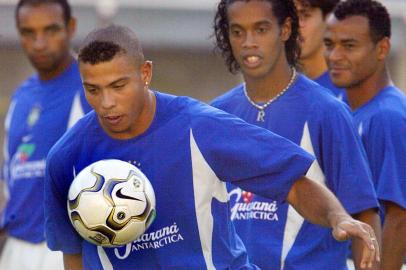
343, 161
387, 155
59, 232
250, 157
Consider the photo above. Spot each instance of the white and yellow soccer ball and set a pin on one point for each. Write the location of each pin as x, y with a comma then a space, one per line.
111, 203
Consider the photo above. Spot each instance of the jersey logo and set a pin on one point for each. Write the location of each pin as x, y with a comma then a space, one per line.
119, 194
34, 116
24, 151
247, 196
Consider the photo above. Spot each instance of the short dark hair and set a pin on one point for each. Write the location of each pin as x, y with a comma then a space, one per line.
282, 9
326, 6
378, 17
103, 44
67, 12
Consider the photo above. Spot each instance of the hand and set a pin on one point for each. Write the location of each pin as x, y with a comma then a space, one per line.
349, 228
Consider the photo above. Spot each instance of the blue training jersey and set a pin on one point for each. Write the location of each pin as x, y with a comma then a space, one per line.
275, 235
382, 125
325, 81
39, 114
187, 153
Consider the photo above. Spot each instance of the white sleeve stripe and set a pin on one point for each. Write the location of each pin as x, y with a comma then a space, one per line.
76, 111
104, 260
294, 220
206, 185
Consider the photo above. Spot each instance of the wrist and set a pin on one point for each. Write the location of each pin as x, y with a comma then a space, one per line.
336, 218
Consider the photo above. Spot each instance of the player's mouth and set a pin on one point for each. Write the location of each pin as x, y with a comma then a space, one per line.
40, 58
113, 120
337, 70
252, 61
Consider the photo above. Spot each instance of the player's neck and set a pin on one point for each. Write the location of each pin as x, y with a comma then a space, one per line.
267, 87
63, 65
146, 117
314, 66
360, 94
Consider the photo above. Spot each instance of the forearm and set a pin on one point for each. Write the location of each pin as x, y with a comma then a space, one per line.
394, 239
370, 217
316, 203
72, 261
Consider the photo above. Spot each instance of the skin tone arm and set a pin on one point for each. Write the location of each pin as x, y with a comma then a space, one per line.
393, 237
72, 261
318, 205
371, 218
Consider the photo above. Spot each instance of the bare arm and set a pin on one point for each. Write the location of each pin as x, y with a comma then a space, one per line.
371, 218
393, 237
318, 205
72, 261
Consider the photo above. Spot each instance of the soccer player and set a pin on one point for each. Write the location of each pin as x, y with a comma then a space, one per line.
358, 43
41, 110
260, 39
312, 21
187, 150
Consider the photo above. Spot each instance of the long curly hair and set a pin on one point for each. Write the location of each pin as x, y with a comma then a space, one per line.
282, 9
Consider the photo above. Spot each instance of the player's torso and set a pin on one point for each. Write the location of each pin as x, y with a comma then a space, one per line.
168, 155
373, 118
296, 115
38, 117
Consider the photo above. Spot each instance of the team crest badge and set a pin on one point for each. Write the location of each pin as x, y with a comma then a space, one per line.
34, 116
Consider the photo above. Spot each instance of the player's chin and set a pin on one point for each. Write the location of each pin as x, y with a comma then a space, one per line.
340, 80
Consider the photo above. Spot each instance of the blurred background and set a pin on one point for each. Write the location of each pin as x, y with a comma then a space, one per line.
176, 36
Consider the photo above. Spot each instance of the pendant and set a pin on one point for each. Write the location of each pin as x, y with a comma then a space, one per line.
261, 116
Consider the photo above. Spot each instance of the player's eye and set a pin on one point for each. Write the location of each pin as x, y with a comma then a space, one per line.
262, 30
118, 86
236, 32
328, 45
91, 90
52, 30
349, 46
27, 33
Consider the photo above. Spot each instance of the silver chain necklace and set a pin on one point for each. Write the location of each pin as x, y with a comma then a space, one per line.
261, 108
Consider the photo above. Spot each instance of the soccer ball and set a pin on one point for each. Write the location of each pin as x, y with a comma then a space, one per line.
111, 203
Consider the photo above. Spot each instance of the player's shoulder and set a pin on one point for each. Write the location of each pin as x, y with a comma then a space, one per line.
392, 98
318, 97
27, 86
178, 106
229, 98
199, 115
73, 137
388, 107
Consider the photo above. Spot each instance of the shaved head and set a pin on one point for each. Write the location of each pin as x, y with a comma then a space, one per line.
103, 44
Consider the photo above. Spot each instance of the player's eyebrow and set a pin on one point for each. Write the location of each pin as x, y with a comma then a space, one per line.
258, 23
123, 79
348, 40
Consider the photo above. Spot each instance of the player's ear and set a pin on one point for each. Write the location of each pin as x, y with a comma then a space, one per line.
146, 72
383, 48
286, 29
71, 27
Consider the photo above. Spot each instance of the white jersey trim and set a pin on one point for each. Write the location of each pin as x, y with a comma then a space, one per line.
294, 220
76, 111
206, 186
104, 260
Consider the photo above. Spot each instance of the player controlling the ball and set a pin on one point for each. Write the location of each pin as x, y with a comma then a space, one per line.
187, 150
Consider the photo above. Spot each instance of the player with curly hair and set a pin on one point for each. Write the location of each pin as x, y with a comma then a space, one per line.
261, 39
